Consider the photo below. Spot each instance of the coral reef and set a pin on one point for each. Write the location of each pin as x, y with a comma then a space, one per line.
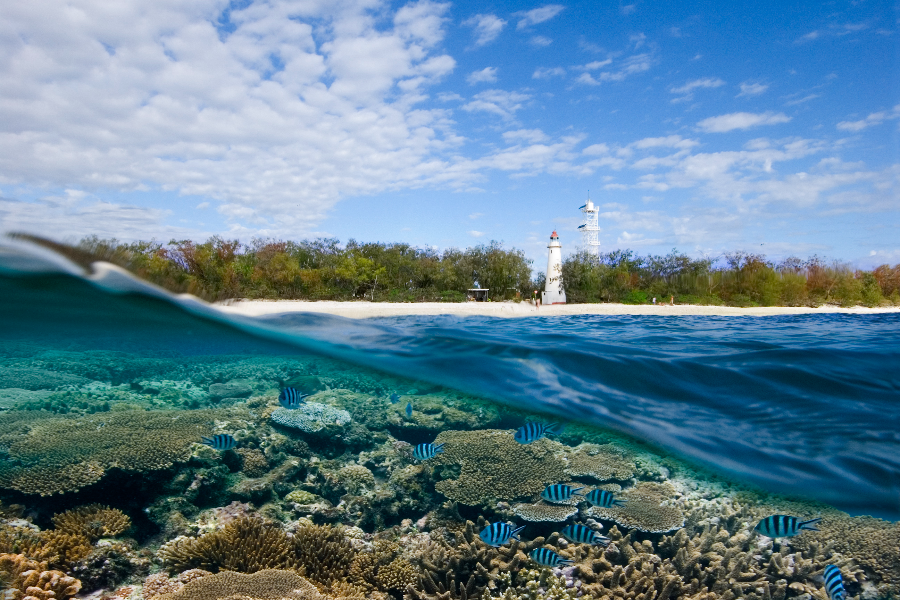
601, 462
311, 417
493, 466
93, 521
57, 548
644, 509
27, 579
253, 462
269, 584
545, 512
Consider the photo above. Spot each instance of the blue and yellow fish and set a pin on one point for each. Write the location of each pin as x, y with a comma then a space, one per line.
777, 526
530, 432
582, 534
220, 441
560, 492
426, 451
834, 583
548, 558
498, 534
603, 499
291, 398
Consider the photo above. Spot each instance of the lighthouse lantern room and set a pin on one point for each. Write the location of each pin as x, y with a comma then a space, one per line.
553, 290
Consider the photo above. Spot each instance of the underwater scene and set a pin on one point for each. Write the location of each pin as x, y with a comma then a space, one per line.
152, 449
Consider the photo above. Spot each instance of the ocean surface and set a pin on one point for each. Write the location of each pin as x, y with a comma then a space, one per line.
803, 405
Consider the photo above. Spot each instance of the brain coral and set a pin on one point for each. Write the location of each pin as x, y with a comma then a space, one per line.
54, 456
493, 466
644, 510
602, 462
93, 521
269, 584
310, 417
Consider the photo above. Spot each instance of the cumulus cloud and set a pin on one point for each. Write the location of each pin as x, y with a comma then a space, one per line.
498, 102
487, 28
537, 15
875, 118
527, 135
476, 234
752, 88
630, 66
268, 121
741, 120
485, 75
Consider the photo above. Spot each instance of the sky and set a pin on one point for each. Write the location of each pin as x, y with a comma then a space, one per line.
765, 127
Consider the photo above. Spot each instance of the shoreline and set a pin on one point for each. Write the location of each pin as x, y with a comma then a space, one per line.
365, 310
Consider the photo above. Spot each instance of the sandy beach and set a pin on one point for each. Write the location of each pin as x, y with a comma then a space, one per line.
364, 310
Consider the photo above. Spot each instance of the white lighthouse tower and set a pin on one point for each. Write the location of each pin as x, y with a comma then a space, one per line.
590, 229
553, 290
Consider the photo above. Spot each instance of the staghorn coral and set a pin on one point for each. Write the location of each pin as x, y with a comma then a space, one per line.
268, 584
28, 579
253, 462
644, 510
601, 462
383, 569
55, 456
311, 417
493, 466
92, 521
545, 512
323, 554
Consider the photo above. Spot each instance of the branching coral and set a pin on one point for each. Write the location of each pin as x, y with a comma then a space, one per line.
644, 510
493, 466
92, 521
57, 548
269, 584
602, 462
61, 455
27, 579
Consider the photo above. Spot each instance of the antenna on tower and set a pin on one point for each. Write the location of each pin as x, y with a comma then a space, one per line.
590, 229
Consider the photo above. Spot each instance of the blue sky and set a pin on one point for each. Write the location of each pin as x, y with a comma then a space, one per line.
709, 127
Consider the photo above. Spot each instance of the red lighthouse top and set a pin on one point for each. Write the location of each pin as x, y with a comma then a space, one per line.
553, 235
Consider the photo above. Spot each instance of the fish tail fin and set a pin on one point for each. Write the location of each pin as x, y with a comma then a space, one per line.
810, 524
576, 492
206, 440
554, 429
439, 448
515, 532
619, 502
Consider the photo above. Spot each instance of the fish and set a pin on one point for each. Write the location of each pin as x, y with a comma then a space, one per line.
395, 398
220, 441
498, 534
426, 451
776, 526
548, 558
582, 534
560, 492
530, 432
834, 583
603, 499
291, 398
409, 410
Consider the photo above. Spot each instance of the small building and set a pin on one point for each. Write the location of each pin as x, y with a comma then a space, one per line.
553, 289
477, 294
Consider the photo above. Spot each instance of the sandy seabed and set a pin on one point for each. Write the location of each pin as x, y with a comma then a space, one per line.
363, 310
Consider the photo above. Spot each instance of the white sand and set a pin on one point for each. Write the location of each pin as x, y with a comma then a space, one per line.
363, 310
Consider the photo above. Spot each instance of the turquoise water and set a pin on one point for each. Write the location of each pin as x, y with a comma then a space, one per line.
721, 409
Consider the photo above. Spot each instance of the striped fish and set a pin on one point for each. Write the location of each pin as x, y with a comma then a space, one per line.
291, 398
498, 534
548, 558
777, 526
603, 499
834, 583
530, 432
220, 441
582, 534
560, 492
426, 451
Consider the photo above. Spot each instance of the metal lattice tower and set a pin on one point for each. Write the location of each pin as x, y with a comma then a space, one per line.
590, 229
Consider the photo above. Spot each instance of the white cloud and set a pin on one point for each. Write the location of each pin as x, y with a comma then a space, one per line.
741, 120
486, 75
540, 40
487, 28
802, 100
749, 88
537, 15
203, 205
706, 82
547, 72
269, 122
533, 136
630, 66
597, 64
875, 118
476, 234
628, 9
498, 102
476, 215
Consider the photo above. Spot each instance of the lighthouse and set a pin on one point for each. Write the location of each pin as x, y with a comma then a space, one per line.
553, 290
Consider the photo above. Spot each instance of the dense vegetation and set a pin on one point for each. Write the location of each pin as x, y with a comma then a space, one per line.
323, 269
